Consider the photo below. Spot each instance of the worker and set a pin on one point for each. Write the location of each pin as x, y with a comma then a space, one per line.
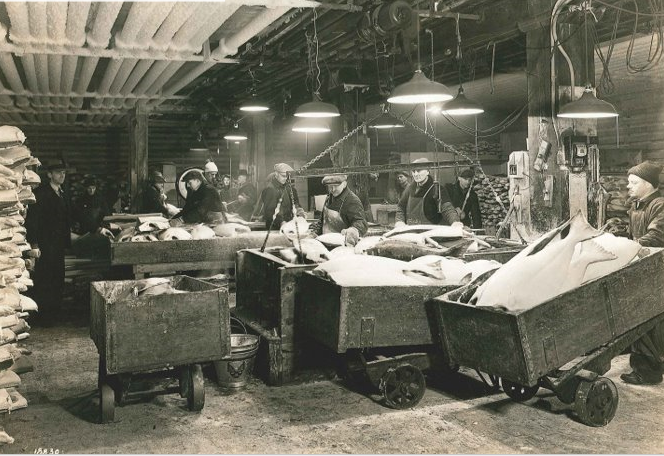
646, 225
154, 198
425, 201
226, 190
90, 210
342, 212
402, 183
49, 232
277, 193
246, 196
203, 204
210, 172
465, 200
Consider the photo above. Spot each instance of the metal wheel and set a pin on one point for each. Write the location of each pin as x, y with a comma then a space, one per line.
596, 402
518, 392
182, 184
106, 404
196, 396
402, 386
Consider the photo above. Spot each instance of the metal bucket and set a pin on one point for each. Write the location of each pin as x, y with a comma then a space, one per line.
234, 370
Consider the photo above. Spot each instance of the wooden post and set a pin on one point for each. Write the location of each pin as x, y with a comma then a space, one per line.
260, 138
138, 148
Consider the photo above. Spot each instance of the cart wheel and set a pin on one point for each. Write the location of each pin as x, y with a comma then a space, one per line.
402, 386
106, 404
596, 402
196, 396
518, 392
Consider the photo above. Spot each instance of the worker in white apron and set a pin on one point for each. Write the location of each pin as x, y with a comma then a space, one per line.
425, 202
343, 211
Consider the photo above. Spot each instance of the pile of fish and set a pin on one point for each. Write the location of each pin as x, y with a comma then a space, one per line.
149, 229
492, 213
154, 286
557, 262
16, 260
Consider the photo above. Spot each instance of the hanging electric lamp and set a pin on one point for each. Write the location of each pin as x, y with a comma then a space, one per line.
461, 106
311, 125
384, 122
236, 134
254, 104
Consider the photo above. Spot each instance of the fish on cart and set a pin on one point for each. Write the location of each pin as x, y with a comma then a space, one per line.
332, 239
202, 232
174, 233
230, 229
407, 251
297, 227
312, 249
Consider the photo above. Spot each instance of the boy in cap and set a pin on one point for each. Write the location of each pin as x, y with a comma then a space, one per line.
49, 230
646, 225
465, 200
277, 192
425, 202
343, 211
203, 204
91, 209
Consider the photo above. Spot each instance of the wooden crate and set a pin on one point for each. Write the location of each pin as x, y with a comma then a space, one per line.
343, 318
154, 332
266, 287
526, 345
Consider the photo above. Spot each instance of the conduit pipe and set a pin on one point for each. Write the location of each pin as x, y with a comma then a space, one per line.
77, 17
228, 47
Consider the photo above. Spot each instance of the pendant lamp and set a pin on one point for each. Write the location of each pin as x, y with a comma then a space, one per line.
317, 109
236, 134
310, 125
384, 122
254, 104
461, 106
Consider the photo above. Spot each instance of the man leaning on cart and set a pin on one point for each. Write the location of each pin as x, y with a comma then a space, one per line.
646, 224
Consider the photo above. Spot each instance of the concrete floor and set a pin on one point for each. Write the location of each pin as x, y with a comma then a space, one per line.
324, 416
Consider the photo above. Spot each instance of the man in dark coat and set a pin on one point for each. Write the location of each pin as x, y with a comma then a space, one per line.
154, 198
91, 209
246, 196
425, 201
402, 182
277, 192
343, 211
465, 200
203, 204
646, 224
49, 230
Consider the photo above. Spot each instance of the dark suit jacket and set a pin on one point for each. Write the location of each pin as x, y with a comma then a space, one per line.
200, 203
48, 220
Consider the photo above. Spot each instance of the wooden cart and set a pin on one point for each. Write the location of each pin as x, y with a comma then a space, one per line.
141, 338
564, 344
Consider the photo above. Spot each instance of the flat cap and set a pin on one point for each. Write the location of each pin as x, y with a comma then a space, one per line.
157, 176
195, 174
422, 160
403, 173
283, 168
334, 179
647, 171
467, 173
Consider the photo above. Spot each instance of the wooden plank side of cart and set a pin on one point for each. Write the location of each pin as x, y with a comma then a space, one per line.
343, 318
524, 346
193, 250
152, 332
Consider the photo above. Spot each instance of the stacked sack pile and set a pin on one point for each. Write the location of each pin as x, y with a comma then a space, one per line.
492, 213
484, 149
617, 205
16, 259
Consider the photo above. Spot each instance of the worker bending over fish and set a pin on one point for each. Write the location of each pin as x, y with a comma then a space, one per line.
203, 204
277, 197
646, 224
425, 201
342, 212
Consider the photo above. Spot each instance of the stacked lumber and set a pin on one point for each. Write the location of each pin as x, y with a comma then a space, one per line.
16, 259
492, 213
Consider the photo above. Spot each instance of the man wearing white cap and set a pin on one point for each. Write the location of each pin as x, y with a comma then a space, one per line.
210, 172
425, 201
278, 192
343, 211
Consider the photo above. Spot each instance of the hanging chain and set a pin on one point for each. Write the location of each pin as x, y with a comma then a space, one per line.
294, 210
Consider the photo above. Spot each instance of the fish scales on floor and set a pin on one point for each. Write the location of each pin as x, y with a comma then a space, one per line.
560, 260
17, 259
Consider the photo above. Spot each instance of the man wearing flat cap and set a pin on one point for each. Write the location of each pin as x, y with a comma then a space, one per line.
278, 194
48, 228
153, 198
91, 209
203, 204
465, 200
646, 225
425, 202
343, 211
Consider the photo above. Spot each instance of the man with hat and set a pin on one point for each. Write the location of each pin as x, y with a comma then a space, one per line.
425, 201
646, 225
49, 231
465, 200
203, 204
91, 209
277, 202
210, 172
153, 198
342, 212
246, 196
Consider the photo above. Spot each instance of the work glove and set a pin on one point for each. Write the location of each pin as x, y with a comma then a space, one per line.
352, 236
399, 224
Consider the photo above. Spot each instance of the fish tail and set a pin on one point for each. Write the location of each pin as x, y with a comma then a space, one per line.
580, 229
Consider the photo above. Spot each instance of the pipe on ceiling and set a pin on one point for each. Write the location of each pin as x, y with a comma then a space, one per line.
56, 26
77, 17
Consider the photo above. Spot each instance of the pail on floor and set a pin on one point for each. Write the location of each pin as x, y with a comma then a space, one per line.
234, 370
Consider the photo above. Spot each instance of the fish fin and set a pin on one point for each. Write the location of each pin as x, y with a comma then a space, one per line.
581, 229
588, 253
466, 279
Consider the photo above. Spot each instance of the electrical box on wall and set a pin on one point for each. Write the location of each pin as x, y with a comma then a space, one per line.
577, 149
519, 193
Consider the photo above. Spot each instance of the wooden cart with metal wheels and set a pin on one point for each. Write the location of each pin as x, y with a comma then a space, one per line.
565, 344
146, 343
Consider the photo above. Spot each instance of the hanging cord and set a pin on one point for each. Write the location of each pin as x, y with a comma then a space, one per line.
493, 64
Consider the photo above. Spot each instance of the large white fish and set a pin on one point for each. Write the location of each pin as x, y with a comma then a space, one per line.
342, 251
202, 232
153, 225
312, 249
539, 272
366, 243
230, 229
174, 233
333, 239
289, 229
411, 229
624, 249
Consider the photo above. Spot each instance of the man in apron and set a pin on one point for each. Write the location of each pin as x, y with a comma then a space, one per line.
343, 211
425, 202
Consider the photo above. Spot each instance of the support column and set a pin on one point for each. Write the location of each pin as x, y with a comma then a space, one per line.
138, 148
260, 143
